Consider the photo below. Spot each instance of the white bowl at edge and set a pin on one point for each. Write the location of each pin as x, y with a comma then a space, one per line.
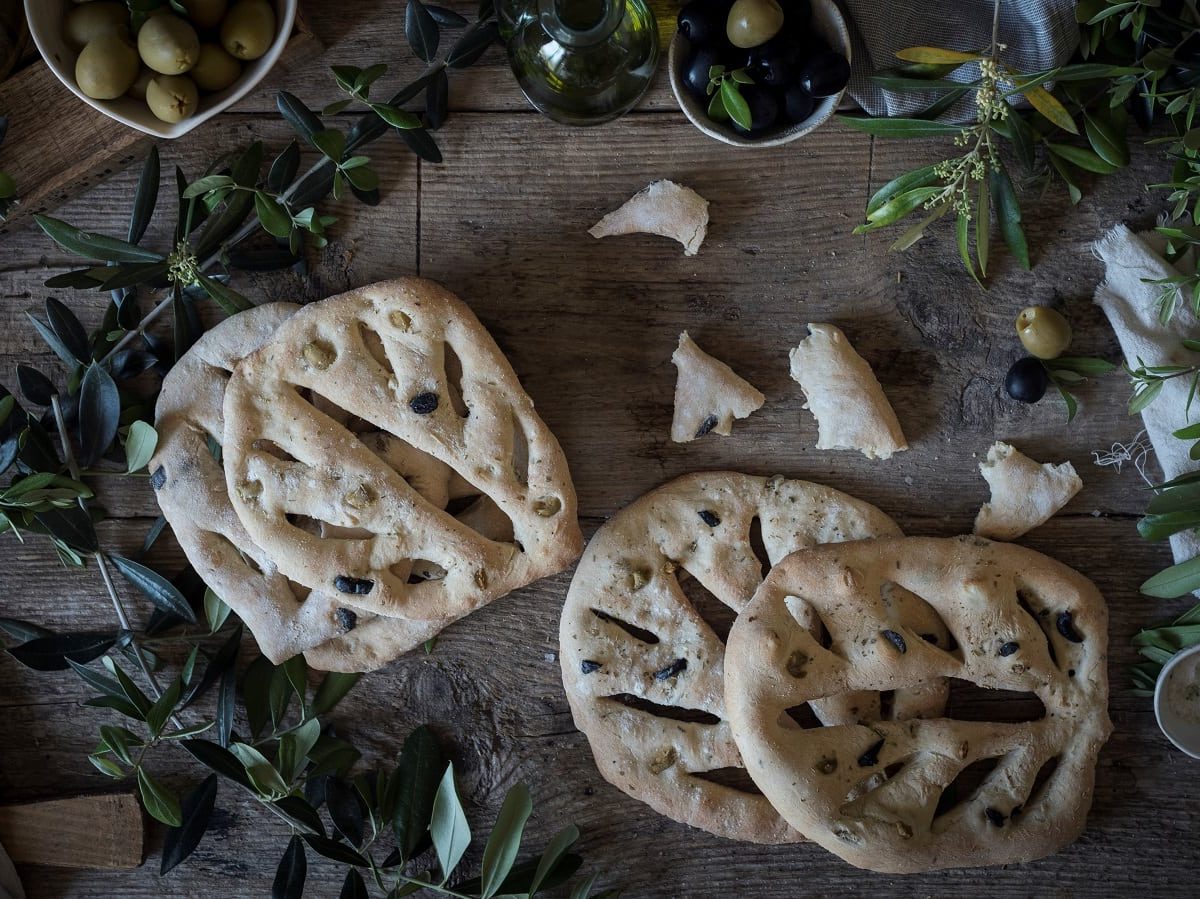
827, 21
1176, 727
45, 25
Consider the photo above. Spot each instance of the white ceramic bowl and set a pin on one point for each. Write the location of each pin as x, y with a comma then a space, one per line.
827, 21
45, 24
1178, 727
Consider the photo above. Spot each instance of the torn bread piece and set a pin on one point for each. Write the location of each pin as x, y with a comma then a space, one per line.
844, 396
708, 394
1025, 493
664, 208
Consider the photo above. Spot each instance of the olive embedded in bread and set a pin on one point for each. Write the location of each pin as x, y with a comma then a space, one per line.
106, 67
168, 44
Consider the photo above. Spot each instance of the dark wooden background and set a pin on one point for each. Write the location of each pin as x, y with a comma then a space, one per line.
590, 327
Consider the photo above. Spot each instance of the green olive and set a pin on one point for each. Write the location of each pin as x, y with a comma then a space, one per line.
753, 22
1043, 332
172, 98
215, 70
137, 90
85, 23
106, 67
205, 13
168, 44
249, 29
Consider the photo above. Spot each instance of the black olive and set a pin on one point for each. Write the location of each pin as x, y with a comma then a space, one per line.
703, 22
679, 665
356, 586
774, 63
798, 104
709, 518
764, 109
825, 74
695, 72
158, 478
1026, 381
707, 425
1066, 627
896, 640
994, 816
930, 638
870, 758
796, 16
587, 666
347, 618
1009, 648
424, 403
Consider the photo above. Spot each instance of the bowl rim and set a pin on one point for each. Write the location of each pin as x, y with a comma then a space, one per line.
156, 128
829, 105
1162, 709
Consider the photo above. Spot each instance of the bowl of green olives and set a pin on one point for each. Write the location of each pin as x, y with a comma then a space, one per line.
163, 69
759, 73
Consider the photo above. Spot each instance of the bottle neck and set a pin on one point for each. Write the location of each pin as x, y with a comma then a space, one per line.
580, 23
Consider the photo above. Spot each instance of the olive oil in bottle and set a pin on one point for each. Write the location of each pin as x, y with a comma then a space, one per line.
581, 62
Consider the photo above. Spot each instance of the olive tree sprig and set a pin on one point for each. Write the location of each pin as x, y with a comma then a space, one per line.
976, 183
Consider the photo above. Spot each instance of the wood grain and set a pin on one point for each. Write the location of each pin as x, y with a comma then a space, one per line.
81, 832
590, 326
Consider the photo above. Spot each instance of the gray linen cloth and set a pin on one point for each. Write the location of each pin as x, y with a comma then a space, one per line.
1039, 34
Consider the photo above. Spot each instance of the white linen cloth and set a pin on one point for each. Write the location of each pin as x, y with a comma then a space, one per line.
1131, 260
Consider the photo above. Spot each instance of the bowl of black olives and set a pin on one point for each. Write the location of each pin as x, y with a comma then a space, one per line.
759, 73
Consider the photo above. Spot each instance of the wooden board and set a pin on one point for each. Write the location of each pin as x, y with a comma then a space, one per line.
82, 832
590, 326
83, 147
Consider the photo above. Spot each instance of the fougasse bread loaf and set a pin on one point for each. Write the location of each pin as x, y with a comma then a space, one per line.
642, 664
409, 362
189, 482
883, 795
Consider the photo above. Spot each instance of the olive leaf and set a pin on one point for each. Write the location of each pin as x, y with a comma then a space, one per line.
346, 809
448, 827
218, 759
155, 588
93, 246
353, 887
333, 689
900, 127
57, 651
505, 840
140, 445
291, 873
1178, 580
38, 388
158, 801
195, 815
67, 329
421, 30
99, 414
1050, 107
145, 199
1008, 215
420, 763
473, 43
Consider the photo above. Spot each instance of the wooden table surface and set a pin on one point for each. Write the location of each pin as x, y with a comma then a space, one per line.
590, 326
